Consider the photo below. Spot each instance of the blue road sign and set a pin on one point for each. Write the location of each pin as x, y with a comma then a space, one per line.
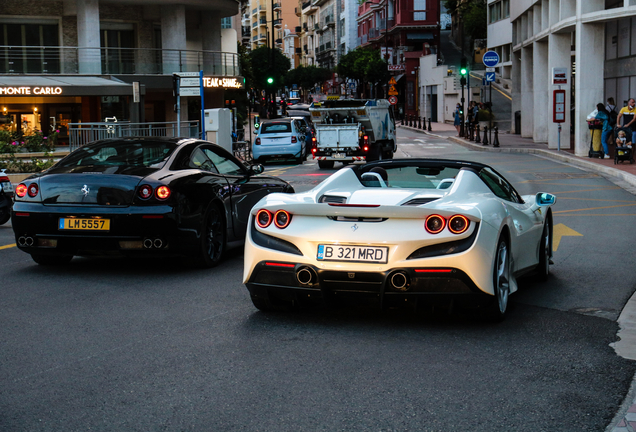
490, 59
490, 76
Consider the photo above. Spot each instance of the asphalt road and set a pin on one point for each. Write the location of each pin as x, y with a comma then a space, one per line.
126, 345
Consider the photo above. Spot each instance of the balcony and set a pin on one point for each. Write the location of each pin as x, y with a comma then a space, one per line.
298, 12
254, 24
262, 36
329, 22
262, 21
306, 4
39, 60
277, 6
299, 50
298, 29
254, 11
278, 22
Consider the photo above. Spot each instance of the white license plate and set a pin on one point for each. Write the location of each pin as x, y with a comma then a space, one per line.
371, 254
339, 155
7, 186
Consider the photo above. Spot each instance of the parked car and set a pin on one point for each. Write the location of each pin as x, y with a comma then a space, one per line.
280, 139
416, 230
139, 197
6, 198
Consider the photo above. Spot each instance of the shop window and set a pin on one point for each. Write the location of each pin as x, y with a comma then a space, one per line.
118, 55
26, 48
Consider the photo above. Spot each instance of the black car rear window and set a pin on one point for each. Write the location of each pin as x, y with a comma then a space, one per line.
275, 128
129, 153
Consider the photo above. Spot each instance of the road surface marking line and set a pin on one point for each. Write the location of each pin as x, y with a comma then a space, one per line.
594, 208
560, 230
7, 246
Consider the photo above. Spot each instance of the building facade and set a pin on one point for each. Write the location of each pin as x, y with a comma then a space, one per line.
500, 35
67, 62
404, 30
593, 40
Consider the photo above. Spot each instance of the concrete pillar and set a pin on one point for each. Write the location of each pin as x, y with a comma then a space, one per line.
545, 14
541, 87
89, 59
516, 87
589, 83
559, 56
555, 12
213, 63
536, 21
173, 38
527, 97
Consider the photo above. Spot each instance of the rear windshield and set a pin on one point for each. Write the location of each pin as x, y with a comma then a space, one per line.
148, 154
275, 128
411, 177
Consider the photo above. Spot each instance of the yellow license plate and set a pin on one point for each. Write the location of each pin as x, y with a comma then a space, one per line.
84, 224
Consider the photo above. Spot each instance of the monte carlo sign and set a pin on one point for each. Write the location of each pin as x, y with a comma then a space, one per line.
27, 91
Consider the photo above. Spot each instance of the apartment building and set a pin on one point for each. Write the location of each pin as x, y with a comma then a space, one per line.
404, 30
64, 62
593, 40
500, 35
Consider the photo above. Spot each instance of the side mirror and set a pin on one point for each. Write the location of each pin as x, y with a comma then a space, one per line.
256, 169
545, 199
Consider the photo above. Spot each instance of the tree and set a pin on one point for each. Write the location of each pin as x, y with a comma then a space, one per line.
306, 77
261, 60
363, 65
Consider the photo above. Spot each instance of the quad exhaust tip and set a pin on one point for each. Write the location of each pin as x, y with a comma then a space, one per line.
153, 243
399, 281
306, 276
25, 241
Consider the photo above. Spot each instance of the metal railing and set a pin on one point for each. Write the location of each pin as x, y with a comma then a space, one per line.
75, 60
83, 133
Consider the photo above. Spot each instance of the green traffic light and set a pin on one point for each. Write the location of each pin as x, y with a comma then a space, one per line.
270, 80
463, 71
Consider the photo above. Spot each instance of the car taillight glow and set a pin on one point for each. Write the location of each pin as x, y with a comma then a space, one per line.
435, 224
314, 150
282, 219
263, 218
21, 190
163, 192
366, 148
294, 140
145, 191
257, 142
458, 224
33, 190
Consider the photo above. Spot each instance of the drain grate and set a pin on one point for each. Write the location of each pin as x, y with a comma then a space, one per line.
564, 175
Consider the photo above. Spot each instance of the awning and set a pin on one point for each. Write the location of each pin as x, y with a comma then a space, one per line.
398, 77
75, 85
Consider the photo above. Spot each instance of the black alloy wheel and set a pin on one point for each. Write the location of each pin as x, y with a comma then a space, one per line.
501, 282
213, 240
545, 250
5, 215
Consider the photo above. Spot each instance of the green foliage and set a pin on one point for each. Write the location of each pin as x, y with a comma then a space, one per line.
306, 77
12, 164
363, 65
475, 20
261, 61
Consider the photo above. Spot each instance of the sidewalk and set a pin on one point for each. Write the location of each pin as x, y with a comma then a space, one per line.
625, 174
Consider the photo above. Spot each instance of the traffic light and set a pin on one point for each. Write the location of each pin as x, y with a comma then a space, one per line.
270, 80
463, 71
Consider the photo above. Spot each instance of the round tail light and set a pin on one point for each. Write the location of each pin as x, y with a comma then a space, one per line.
163, 192
263, 218
257, 142
458, 224
145, 191
435, 224
33, 190
21, 190
282, 219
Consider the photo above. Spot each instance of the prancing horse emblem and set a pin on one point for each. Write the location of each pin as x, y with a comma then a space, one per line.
354, 227
86, 190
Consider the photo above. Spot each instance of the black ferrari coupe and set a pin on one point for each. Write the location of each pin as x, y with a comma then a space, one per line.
139, 196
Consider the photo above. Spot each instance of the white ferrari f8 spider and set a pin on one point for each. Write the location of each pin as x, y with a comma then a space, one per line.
414, 230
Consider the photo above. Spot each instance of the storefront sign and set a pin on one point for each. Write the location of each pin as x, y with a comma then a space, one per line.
225, 83
26, 91
399, 67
